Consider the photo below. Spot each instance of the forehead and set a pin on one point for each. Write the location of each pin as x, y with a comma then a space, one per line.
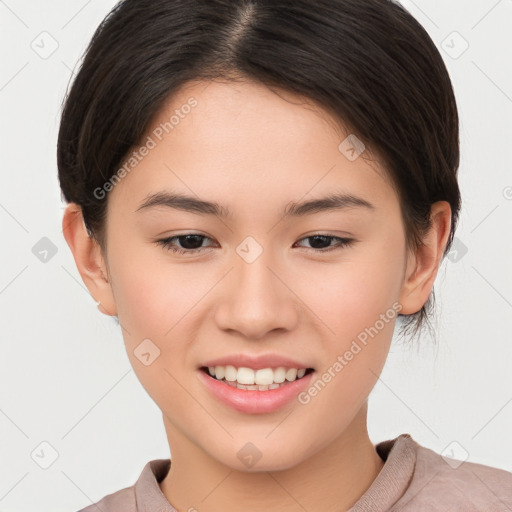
245, 115
246, 141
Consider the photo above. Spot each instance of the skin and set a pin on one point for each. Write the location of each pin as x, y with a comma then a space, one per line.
254, 151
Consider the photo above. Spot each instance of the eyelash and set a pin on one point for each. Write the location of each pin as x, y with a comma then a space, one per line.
167, 243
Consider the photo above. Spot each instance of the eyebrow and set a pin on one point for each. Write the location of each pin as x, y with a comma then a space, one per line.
178, 201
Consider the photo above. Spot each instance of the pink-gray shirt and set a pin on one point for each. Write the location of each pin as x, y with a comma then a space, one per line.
413, 479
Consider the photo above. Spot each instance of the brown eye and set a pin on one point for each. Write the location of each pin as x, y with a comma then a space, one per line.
322, 243
189, 243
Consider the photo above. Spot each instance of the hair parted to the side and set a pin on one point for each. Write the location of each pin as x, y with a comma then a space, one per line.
367, 62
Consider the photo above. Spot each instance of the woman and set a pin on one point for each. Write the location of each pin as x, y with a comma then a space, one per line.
257, 191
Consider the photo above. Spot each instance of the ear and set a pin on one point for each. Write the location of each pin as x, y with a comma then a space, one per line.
88, 258
423, 263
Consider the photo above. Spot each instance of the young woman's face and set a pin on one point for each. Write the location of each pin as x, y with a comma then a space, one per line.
262, 283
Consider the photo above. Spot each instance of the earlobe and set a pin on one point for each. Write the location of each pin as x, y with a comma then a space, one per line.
89, 259
423, 263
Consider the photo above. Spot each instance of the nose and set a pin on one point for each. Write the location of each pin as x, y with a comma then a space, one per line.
256, 299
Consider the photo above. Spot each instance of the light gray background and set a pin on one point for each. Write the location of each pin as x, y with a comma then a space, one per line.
67, 388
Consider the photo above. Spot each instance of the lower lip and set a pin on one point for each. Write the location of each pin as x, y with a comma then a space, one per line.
251, 401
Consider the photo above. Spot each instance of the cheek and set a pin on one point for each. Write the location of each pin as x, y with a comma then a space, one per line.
155, 297
351, 295
355, 301
160, 301
151, 293
155, 302
357, 306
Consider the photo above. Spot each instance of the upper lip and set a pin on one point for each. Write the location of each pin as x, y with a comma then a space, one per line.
256, 362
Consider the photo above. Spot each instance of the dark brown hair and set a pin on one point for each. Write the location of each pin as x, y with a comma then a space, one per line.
368, 62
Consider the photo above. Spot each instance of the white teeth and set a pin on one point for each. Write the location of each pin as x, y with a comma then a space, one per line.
262, 379
230, 373
253, 387
291, 374
244, 376
219, 372
279, 375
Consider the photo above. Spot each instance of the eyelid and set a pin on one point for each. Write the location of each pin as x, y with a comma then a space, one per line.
343, 242
166, 243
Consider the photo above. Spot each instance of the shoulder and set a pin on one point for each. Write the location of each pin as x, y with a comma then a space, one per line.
443, 483
144, 494
120, 501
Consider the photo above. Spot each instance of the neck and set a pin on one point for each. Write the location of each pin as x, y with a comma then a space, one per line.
331, 480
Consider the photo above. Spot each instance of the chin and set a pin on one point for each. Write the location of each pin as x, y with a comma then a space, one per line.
254, 457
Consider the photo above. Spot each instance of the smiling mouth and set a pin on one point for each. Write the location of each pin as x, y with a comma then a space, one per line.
256, 380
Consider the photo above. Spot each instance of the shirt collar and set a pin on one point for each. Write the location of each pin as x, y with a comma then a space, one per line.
391, 483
